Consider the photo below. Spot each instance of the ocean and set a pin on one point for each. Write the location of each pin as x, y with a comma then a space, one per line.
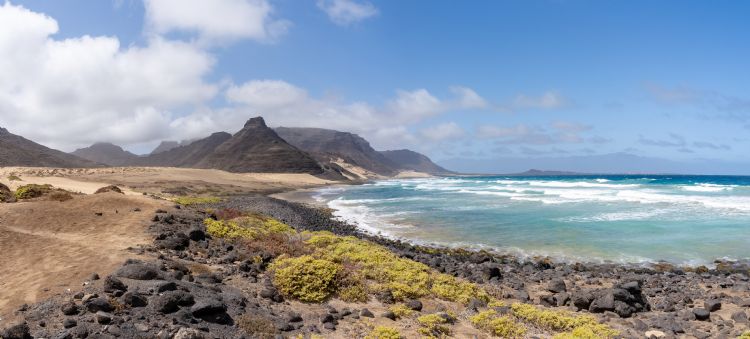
687, 220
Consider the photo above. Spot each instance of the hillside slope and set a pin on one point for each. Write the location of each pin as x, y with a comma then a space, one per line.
409, 160
19, 151
257, 148
328, 145
106, 153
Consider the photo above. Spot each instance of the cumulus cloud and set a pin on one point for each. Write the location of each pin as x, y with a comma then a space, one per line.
216, 20
548, 100
65, 92
385, 125
347, 12
443, 132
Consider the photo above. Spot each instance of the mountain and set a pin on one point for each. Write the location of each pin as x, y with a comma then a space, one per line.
257, 148
409, 160
106, 153
18, 151
165, 146
186, 156
169, 145
327, 146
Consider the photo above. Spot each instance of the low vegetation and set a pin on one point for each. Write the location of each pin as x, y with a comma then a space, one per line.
382, 332
501, 326
577, 326
434, 326
188, 201
316, 266
305, 278
14, 177
31, 191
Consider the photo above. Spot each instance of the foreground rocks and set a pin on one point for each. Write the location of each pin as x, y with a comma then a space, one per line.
194, 286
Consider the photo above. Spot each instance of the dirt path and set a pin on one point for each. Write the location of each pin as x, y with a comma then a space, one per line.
49, 247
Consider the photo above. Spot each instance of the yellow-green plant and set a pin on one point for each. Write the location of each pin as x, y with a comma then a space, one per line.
403, 277
745, 335
433, 326
305, 278
250, 227
449, 288
501, 326
382, 332
187, 201
32, 191
401, 311
562, 321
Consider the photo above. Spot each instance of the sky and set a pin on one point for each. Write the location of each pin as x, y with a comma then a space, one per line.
481, 81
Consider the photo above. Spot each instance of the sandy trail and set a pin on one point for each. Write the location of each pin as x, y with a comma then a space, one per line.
49, 247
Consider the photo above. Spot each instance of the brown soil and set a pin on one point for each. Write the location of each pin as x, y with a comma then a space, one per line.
49, 247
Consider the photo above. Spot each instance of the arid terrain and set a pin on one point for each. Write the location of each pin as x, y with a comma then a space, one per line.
201, 254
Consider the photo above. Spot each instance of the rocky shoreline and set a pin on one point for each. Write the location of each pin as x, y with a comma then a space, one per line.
194, 286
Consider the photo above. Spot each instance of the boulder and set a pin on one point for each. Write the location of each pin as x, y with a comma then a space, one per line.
19, 331
99, 304
414, 305
712, 305
6, 195
138, 271
701, 314
211, 310
177, 241
111, 188
604, 302
557, 286
112, 284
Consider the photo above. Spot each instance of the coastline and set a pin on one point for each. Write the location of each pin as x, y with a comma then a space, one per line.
305, 196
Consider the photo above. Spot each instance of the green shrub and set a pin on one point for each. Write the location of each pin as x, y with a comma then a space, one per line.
14, 177
382, 332
250, 227
745, 335
401, 311
584, 326
449, 288
305, 278
187, 201
501, 326
31, 191
433, 326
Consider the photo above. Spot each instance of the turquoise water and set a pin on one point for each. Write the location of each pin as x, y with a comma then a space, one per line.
630, 219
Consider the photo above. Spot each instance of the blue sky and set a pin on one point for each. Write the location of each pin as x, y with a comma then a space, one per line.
478, 80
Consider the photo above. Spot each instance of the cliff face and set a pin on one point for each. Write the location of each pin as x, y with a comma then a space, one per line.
19, 151
326, 145
409, 160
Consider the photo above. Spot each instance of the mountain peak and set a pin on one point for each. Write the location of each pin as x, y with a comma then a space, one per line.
256, 122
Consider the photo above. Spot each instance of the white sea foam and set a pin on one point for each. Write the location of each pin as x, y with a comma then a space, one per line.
708, 188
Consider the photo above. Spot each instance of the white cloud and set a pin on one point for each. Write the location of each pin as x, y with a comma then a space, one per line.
443, 132
283, 104
266, 93
213, 20
69, 92
548, 100
347, 12
467, 98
